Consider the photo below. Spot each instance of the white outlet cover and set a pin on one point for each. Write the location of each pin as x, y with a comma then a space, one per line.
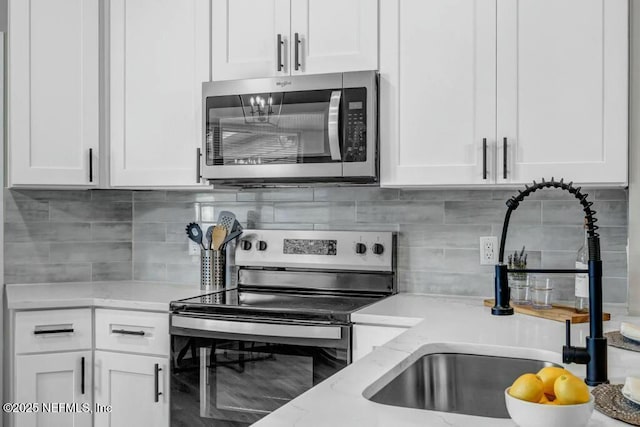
488, 250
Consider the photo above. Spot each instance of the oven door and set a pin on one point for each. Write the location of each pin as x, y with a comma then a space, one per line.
300, 128
232, 373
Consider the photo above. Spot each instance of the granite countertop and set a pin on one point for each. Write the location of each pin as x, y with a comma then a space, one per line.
151, 296
441, 324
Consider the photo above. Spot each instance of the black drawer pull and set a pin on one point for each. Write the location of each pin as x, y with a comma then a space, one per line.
126, 332
157, 393
52, 331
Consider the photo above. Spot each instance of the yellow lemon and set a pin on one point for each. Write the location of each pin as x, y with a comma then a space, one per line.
544, 399
549, 376
570, 390
527, 387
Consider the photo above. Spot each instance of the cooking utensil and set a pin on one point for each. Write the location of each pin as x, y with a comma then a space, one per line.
226, 219
233, 235
208, 235
219, 234
195, 233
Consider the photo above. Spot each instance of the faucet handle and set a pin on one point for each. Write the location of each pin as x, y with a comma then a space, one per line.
573, 354
567, 324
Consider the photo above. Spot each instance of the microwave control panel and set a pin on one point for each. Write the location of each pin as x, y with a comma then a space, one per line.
355, 124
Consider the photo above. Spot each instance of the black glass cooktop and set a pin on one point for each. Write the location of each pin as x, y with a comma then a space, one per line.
279, 305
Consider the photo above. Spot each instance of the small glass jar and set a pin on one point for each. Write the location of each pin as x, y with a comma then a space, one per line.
541, 293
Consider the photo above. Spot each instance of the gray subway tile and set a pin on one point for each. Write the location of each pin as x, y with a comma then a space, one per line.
45, 273
91, 252
149, 271
177, 231
359, 226
614, 264
26, 253
443, 236
147, 252
537, 237
442, 195
349, 194
111, 231
91, 211
315, 212
282, 226
200, 196
615, 290
149, 196
404, 212
111, 271
611, 194
570, 212
46, 195
165, 212
420, 259
471, 284
47, 232
244, 212
489, 212
277, 195
27, 210
112, 195
613, 238
150, 231
184, 273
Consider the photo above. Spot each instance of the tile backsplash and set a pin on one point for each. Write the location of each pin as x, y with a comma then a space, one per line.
56, 236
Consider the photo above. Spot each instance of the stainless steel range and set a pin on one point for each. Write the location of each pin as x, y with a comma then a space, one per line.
244, 352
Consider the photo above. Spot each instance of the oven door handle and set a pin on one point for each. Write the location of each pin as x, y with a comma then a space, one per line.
333, 121
258, 329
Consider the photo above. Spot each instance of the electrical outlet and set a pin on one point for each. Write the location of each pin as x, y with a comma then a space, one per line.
194, 248
488, 249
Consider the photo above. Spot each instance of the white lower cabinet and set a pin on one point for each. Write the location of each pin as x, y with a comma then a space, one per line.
367, 337
135, 386
61, 384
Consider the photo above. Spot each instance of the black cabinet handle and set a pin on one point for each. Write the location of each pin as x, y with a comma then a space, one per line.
296, 58
198, 156
484, 158
126, 332
504, 158
53, 331
280, 43
157, 393
90, 164
82, 376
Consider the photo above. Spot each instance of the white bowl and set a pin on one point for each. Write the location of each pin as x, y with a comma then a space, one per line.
528, 414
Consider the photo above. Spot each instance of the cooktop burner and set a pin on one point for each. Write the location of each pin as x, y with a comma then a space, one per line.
280, 304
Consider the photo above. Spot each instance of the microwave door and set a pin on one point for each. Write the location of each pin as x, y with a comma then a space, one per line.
274, 135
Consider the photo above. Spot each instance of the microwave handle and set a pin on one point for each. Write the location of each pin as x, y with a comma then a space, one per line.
332, 125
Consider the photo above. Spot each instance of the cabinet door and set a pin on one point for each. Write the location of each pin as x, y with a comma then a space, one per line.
367, 337
127, 383
244, 38
562, 90
55, 378
159, 59
53, 85
437, 91
334, 36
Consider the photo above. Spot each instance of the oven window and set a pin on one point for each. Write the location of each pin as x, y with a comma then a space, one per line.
218, 382
268, 128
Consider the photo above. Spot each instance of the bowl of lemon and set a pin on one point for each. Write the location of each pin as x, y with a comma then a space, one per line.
553, 397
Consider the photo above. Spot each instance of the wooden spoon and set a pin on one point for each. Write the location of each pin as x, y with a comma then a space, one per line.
218, 235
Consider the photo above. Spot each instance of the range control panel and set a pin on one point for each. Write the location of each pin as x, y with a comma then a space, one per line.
339, 250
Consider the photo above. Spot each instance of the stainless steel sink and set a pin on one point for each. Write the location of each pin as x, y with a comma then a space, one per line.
460, 383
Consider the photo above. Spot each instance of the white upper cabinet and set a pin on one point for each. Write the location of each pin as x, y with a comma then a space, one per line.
333, 36
437, 91
257, 38
159, 57
547, 79
245, 35
53, 85
562, 90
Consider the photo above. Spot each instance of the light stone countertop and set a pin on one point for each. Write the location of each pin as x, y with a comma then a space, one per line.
149, 296
444, 324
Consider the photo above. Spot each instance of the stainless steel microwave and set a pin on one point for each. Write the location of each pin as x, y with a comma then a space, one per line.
291, 130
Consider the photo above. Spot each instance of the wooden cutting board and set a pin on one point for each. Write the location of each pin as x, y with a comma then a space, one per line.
559, 313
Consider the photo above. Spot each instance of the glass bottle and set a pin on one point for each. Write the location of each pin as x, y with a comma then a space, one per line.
582, 279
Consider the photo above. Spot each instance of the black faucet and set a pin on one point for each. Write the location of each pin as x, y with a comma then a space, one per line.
594, 355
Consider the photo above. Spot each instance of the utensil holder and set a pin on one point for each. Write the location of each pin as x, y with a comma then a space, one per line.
212, 270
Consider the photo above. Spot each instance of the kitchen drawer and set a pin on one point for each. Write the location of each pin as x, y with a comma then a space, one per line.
53, 330
132, 331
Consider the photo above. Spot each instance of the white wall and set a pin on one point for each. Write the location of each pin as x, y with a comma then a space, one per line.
634, 161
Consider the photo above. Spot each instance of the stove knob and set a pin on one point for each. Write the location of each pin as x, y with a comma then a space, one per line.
246, 245
377, 249
262, 245
361, 248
